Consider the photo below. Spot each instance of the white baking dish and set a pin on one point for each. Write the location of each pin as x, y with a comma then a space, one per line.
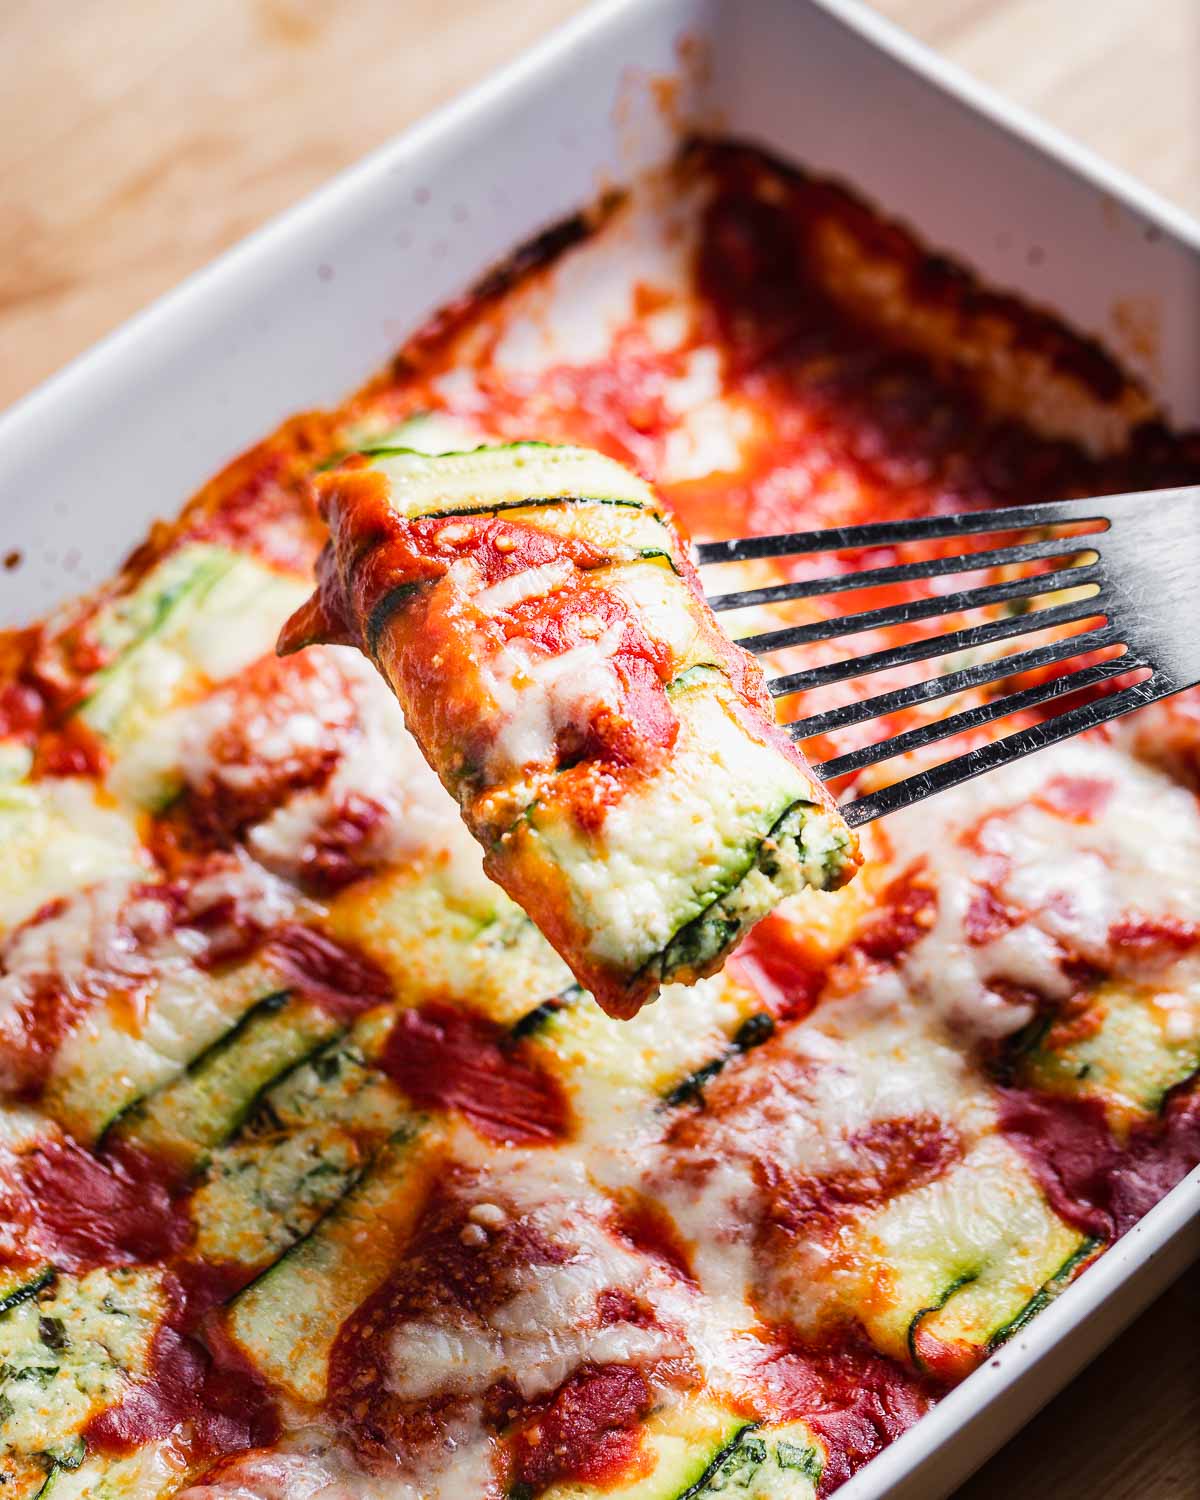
305, 310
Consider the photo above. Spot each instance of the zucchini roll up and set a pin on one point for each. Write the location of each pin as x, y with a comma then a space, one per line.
538, 617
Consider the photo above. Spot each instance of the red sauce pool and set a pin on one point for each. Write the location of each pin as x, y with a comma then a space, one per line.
1154, 937
445, 1058
21, 710
856, 1401
907, 909
775, 961
1101, 1186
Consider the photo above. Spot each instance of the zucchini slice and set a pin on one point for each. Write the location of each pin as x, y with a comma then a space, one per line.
261, 1195
446, 930
288, 1319
338, 1085
421, 431
149, 1473
769, 1463
698, 1449
207, 1104
688, 861
485, 479
1127, 1058
306, 1144
199, 615
613, 1069
102, 1068
948, 1267
18, 1284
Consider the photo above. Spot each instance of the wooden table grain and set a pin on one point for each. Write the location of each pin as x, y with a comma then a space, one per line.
137, 140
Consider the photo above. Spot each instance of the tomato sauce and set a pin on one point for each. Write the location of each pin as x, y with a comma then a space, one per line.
498, 547
444, 1277
81, 1211
641, 726
73, 750
21, 710
891, 1157
339, 979
1095, 1182
907, 910
259, 503
339, 851
587, 1431
445, 1058
782, 970
643, 1223
199, 1388
244, 784
1080, 798
416, 611
988, 916
1159, 937
50, 992
44, 1014
855, 1400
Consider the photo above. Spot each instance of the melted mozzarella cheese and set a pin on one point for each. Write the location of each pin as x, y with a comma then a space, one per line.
59, 835
342, 707
611, 1068
310, 1464
542, 1323
710, 439
800, 1103
380, 764
572, 315
1065, 880
533, 583
659, 602
539, 696
273, 1476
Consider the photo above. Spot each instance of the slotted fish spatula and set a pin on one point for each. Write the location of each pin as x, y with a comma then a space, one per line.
1132, 579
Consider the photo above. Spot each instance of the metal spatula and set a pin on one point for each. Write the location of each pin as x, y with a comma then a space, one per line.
1133, 578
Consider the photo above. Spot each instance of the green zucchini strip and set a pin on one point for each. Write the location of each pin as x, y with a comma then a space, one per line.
207, 1105
287, 1320
1128, 1062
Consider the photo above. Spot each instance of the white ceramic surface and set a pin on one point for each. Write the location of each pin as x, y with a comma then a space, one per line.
306, 309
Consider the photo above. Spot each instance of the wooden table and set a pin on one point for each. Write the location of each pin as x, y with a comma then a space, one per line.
138, 139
